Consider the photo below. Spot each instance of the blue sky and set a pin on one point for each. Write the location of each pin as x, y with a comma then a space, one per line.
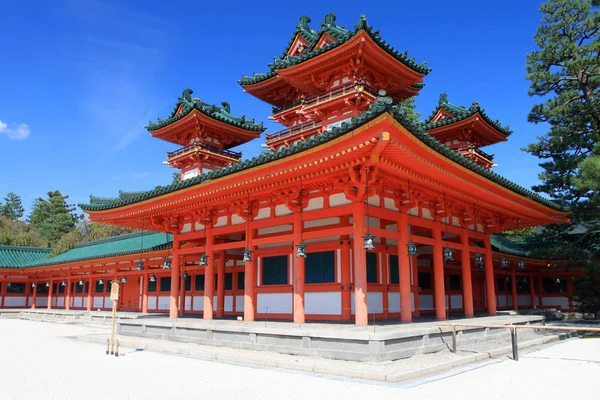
79, 80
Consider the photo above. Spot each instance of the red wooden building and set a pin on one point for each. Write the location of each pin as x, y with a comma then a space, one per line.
353, 211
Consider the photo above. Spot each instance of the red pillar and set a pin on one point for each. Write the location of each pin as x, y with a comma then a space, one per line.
490, 288
531, 291
345, 259
361, 309
438, 272
513, 286
144, 283
404, 269
298, 279
173, 309
467, 283
540, 291
209, 277
221, 285
68, 295
249, 284
49, 305
34, 297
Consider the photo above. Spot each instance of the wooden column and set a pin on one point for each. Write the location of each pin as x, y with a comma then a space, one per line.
361, 309
467, 283
209, 277
299, 266
49, 305
68, 295
569, 288
90, 298
34, 297
438, 272
3, 292
404, 269
144, 283
174, 296
540, 291
249, 278
531, 291
345, 259
513, 287
221, 285
490, 287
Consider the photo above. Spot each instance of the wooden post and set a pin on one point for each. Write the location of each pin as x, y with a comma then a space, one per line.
540, 291
404, 269
90, 298
144, 283
454, 339
209, 276
221, 285
298, 271
68, 295
515, 345
345, 259
438, 272
467, 283
249, 277
34, 297
173, 309
531, 291
49, 305
490, 288
361, 310
114, 297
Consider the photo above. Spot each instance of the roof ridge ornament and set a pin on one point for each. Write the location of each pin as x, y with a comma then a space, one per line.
303, 22
362, 23
226, 107
329, 20
186, 96
475, 106
443, 98
382, 99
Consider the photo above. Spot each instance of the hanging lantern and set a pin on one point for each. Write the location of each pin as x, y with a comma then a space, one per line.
507, 279
152, 278
48, 284
504, 263
301, 250
185, 276
521, 264
81, 282
247, 256
33, 285
203, 260
412, 249
558, 281
478, 260
368, 242
167, 263
448, 254
63, 283
140, 265
124, 279
101, 281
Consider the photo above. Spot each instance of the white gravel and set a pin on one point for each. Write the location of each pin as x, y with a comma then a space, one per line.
41, 361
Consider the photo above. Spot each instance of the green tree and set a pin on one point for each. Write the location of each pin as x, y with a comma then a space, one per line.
565, 72
86, 232
176, 177
13, 207
18, 233
53, 217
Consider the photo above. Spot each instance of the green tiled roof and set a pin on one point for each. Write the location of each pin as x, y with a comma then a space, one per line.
110, 247
221, 114
122, 196
18, 256
508, 246
460, 113
379, 107
342, 35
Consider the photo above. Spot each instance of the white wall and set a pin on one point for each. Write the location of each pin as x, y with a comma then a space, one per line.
323, 303
274, 303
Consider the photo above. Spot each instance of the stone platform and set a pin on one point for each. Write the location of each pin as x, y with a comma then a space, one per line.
385, 342
102, 317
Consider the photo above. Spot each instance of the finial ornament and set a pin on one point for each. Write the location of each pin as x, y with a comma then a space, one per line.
187, 95
330, 19
475, 105
443, 99
303, 22
226, 106
382, 98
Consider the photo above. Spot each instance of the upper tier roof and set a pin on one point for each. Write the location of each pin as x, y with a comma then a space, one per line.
186, 104
19, 256
461, 113
341, 36
381, 106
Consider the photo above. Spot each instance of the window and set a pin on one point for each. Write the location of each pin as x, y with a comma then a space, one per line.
241, 284
553, 285
371, 267
320, 267
151, 285
165, 284
188, 283
425, 280
199, 283
99, 287
78, 288
275, 270
54, 288
394, 273
107, 285
228, 281
41, 288
455, 282
522, 284
87, 287
500, 284
61, 288
14, 287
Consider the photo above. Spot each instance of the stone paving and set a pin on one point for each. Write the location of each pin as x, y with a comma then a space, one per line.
43, 361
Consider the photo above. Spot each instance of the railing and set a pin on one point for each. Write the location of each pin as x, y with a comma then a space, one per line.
202, 146
479, 152
293, 130
338, 91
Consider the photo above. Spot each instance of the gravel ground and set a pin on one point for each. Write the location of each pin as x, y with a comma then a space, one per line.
41, 361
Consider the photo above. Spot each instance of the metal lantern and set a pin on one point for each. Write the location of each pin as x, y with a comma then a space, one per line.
124, 279
412, 249
448, 254
521, 264
478, 260
558, 281
101, 281
63, 283
301, 250
81, 282
368, 242
504, 263
507, 279
140, 265
48, 284
167, 263
152, 278
247, 256
203, 260
185, 276
33, 285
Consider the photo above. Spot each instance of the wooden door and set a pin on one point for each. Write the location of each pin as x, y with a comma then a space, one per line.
130, 295
478, 292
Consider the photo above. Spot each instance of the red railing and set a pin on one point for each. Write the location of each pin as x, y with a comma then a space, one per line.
202, 146
293, 130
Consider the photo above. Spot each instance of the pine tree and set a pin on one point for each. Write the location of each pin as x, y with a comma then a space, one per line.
53, 217
13, 207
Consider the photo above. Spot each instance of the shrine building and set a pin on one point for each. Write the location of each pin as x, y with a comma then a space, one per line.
353, 212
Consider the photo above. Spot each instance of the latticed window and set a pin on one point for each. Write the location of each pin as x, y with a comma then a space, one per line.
320, 267
371, 267
394, 273
274, 270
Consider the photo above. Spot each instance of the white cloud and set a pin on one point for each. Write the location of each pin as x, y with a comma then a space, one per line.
16, 132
